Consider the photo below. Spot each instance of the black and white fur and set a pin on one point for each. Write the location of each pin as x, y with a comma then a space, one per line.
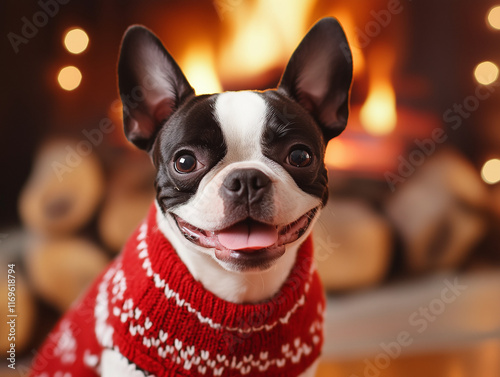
245, 167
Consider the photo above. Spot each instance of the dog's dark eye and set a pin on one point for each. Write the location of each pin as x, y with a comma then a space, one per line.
185, 163
299, 158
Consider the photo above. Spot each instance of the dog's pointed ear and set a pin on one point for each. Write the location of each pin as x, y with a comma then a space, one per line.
319, 76
151, 85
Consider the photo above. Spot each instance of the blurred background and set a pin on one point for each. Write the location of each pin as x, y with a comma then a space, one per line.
409, 245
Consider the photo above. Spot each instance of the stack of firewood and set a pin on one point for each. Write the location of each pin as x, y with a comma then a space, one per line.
78, 208
431, 222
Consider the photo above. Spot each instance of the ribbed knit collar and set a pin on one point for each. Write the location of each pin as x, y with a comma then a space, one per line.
167, 264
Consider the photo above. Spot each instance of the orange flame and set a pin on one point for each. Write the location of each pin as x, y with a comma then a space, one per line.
199, 67
259, 36
378, 114
262, 35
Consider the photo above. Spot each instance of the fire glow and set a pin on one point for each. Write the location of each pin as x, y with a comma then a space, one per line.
250, 44
200, 70
378, 114
258, 38
262, 35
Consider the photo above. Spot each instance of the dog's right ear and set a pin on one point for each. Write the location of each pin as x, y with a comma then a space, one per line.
151, 85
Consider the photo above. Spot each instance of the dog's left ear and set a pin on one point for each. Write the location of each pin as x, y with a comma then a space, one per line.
319, 75
151, 84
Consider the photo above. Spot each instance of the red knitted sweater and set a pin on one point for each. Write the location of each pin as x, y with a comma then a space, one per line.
148, 306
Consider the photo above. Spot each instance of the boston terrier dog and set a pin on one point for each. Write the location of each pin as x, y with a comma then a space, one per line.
219, 279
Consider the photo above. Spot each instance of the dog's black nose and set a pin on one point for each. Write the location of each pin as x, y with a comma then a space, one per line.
246, 185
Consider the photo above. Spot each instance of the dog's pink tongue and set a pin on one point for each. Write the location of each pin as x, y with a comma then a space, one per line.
252, 235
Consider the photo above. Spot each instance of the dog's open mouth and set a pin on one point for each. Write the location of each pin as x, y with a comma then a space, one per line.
248, 242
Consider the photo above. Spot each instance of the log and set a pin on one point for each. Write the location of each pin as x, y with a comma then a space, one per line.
439, 212
63, 190
352, 245
61, 269
130, 194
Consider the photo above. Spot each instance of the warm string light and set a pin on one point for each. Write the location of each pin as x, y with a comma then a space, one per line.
76, 41
69, 78
486, 73
490, 171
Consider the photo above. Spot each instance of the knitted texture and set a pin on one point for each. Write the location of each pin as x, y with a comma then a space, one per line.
147, 306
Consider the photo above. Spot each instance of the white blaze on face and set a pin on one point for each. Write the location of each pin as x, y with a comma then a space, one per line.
242, 118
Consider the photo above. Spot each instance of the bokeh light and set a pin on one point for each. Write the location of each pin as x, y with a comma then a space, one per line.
491, 171
494, 17
486, 73
69, 78
76, 41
